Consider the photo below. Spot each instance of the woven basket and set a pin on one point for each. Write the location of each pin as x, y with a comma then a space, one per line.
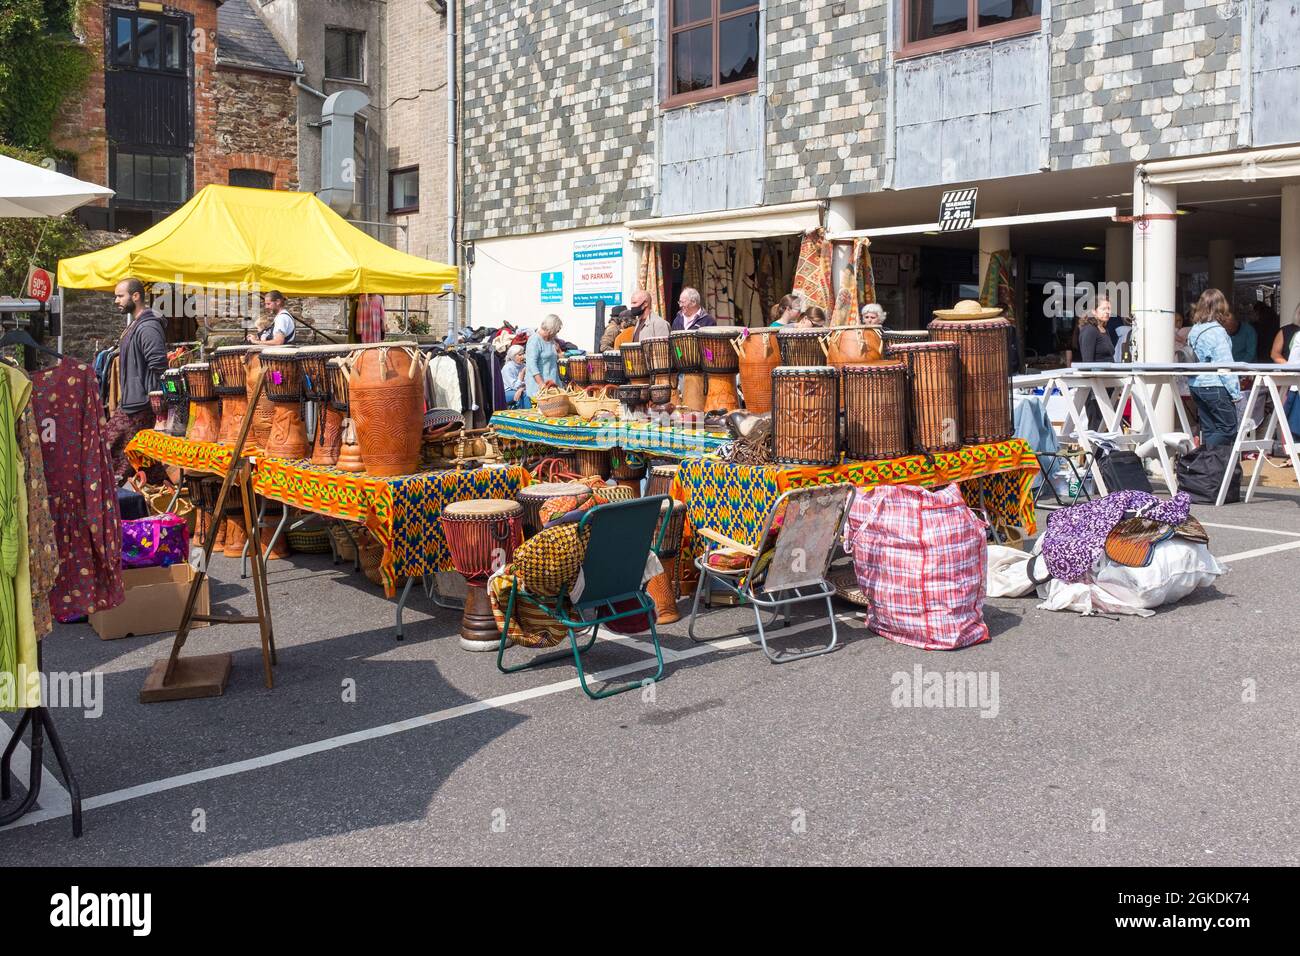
554, 402
306, 541
371, 553
589, 406
343, 543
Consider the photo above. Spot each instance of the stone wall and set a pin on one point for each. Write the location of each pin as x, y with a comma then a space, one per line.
826, 97
1133, 81
256, 125
558, 119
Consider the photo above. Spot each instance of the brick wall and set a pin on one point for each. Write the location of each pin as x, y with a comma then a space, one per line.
1143, 80
80, 126
417, 136
256, 126
208, 166
558, 119
826, 97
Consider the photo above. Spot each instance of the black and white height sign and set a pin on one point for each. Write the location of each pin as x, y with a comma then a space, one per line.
957, 209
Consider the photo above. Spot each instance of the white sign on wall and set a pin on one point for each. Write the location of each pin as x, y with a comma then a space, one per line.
598, 271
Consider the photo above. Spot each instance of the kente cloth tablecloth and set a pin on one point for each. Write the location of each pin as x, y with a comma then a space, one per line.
574, 431
150, 447
404, 513
735, 499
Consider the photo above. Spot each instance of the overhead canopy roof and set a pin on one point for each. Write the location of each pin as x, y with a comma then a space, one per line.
32, 192
229, 237
755, 222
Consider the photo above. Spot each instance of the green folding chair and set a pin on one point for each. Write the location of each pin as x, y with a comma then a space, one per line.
622, 534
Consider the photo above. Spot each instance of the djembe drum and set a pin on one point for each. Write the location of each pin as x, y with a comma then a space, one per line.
596, 369
805, 415
658, 354
688, 363
158, 405
665, 587
660, 480
482, 535
317, 386
634, 363
894, 337
802, 348
615, 374
339, 409
577, 369
535, 495
986, 414
934, 375
205, 403
875, 411
282, 375
759, 354
720, 362
593, 462
263, 412
232, 387
178, 403
386, 396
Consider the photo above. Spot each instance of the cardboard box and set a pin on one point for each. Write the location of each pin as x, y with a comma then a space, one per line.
155, 601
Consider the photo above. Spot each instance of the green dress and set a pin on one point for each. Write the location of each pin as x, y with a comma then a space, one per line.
18, 666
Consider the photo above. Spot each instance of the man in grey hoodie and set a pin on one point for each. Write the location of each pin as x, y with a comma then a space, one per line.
142, 358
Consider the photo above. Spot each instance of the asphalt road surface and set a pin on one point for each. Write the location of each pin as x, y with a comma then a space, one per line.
1165, 740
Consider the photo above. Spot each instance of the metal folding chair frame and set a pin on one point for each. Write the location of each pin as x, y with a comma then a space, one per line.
744, 586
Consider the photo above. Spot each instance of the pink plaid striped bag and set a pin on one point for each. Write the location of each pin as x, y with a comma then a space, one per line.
921, 558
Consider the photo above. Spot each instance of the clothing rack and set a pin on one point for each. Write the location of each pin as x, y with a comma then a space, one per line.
40, 721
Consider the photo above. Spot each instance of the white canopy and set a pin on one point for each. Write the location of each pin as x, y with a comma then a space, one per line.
754, 222
30, 192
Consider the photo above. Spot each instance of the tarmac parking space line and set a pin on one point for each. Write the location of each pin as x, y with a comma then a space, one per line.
1239, 527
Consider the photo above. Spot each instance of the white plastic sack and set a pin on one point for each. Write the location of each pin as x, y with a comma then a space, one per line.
1008, 574
1177, 569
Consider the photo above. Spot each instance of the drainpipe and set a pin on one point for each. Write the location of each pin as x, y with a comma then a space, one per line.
453, 249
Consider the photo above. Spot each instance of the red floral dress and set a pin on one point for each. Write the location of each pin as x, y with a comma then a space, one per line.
83, 494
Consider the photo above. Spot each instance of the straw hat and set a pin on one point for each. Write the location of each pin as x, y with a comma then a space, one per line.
967, 310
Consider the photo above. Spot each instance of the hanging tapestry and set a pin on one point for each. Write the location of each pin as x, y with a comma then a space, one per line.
650, 276
812, 278
999, 288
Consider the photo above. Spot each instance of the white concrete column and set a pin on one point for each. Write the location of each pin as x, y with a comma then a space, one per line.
841, 216
1290, 251
1222, 266
992, 239
1155, 280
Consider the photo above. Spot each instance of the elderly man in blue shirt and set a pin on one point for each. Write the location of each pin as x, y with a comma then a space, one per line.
1215, 395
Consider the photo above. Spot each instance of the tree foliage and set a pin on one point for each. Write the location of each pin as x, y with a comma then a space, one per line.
43, 241
39, 68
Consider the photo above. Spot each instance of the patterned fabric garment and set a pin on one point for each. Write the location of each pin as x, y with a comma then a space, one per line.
119, 431
10, 530
718, 292
43, 554
1076, 536
83, 494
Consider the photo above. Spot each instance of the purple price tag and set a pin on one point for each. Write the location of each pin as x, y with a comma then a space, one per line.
277, 378
708, 354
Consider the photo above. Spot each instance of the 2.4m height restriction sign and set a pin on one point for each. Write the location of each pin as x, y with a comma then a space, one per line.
957, 209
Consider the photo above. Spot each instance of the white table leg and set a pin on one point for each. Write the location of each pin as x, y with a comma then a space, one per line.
1142, 395
1236, 448
1075, 408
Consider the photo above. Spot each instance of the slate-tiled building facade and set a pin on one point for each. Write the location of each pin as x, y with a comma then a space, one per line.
569, 123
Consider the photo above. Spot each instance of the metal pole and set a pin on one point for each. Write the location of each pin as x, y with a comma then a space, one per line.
453, 251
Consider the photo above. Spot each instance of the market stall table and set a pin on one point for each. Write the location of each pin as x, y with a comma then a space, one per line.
402, 512
641, 436
734, 499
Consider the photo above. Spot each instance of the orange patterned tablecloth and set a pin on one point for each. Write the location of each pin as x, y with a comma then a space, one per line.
150, 447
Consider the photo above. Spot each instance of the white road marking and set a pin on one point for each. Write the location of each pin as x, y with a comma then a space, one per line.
1258, 552
1238, 527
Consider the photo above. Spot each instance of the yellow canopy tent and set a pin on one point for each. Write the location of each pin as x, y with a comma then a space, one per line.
228, 237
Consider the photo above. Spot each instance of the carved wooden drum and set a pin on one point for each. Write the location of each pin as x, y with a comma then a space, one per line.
759, 354
934, 376
803, 347
205, 404
282, 375
875, 411
386, 397
482, 535
985, 377
805, 415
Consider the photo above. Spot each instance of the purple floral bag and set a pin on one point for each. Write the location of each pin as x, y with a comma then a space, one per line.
156, 542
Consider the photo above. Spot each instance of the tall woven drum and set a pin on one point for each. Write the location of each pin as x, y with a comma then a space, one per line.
282, 384
537, 494
482, 535
578, 370
615, 374
805, 415
317, 386
759, 354
176, 395
986, 414
596, 369
934, 371
386, 396
875, 411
